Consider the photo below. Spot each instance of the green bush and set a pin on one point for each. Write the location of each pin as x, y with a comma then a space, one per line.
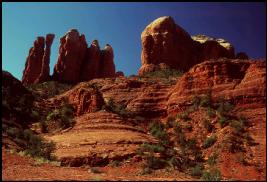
212, 159
95, 170
197, 170
213, 175
164, 73
224, 107
184, 116
43, 126
223, 121
238, 125
33, 144
35, 115
196, 102
209, 141
64, 116
211, 113
157, 129
170, 122
205, 100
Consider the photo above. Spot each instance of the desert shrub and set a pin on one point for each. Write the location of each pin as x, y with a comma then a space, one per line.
212, 159
224, 107
157, 129
207, 125
43, 126
184, 116
49, 89
119, 109
35, 115
32, 144
205, 100
170, 122
222, 121
235, 144
64, 116
196, 102
165, 73
95, 170
164, 153
238, 125
139, 118
197, 170
209, 141
210, 112
213, 175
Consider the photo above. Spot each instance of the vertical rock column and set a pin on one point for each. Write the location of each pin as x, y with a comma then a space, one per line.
72, 52
44, 75
33, 64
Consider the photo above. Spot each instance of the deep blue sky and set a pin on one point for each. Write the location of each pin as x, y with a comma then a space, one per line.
121, 25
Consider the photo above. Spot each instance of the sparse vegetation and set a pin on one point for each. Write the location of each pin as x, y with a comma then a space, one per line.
95, 170
164, 73
32, 144
184, 116
213, 159
48, 89
165, 153
212, 175
205, 100
207, 125
197, 170
62, 116
209, 141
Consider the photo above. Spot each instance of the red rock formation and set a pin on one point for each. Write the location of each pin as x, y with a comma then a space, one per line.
165, 42
85, 99
107, 68
72, 53
33, 64
240, 82
91, 65
44, 75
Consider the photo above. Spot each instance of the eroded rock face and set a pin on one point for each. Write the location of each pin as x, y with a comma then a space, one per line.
91, 64
242, 83
165, 42
33, 65
72, 52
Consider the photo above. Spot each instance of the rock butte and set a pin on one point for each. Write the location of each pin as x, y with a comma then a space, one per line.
164, 42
